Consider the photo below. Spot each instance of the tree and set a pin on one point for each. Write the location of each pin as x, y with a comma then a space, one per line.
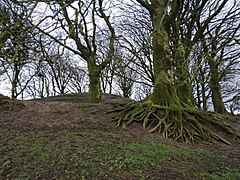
17, 44
78, 82
216, 57
135, 42
200, 77
125, 76
215, 45
79, 21
171, 109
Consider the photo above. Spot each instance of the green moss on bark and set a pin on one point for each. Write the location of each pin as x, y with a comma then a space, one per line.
216, 88
94, 87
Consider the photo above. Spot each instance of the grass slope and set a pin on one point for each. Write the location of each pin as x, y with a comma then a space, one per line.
84, 145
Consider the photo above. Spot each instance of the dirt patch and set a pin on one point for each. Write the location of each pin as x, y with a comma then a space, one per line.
73, 111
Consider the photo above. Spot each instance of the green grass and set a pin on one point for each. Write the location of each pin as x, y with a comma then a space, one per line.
79, 155
229, 175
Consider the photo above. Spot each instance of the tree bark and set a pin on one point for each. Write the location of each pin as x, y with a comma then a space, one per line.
164, 93
184, 88
94, 78
216, 88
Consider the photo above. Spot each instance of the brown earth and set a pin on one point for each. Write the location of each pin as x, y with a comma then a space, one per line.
62, 112
74, 112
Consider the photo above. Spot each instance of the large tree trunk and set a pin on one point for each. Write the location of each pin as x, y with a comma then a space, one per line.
216, 88
163, 92
167, 64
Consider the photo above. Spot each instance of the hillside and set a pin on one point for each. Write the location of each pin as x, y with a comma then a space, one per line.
66, 137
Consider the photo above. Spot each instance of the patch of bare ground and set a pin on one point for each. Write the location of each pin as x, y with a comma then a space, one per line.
74, 112
61, 112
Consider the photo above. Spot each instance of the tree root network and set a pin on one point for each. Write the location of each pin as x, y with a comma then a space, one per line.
185, 125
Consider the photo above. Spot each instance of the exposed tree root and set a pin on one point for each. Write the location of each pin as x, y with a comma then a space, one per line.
186, 124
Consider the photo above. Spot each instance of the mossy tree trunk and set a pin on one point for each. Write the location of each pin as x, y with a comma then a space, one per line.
216, 87
183, 83
18, 62
15, 80
94, 88
210, 55
94, 78
168, 67
161, 57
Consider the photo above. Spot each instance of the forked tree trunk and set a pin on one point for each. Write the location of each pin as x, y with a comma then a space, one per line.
164, 93
167, 67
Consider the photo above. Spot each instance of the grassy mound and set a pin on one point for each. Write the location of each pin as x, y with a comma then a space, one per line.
67, 137
7, 105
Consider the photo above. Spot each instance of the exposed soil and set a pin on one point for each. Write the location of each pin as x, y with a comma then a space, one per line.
74, 112
62, 112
